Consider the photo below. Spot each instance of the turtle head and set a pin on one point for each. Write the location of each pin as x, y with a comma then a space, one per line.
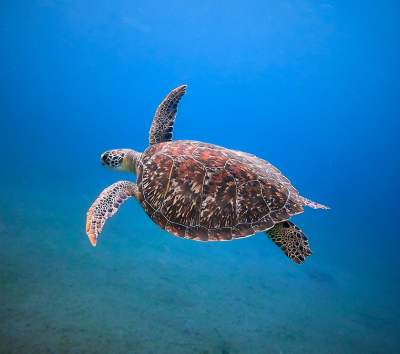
120, 160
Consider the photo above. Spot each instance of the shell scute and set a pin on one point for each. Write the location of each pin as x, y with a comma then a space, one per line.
182, 202
178, 149
293, 207
263, 167
140, 193
275, 193
209, 157
197, 233
147, 208
251, 206
280, 215
140, 187
159, 219
267, 171
240, 171
284, 179
243, 153
236, 155
222, 234
264, 224
208, 146
242, 230
218, 208
155, 180
295, 192
175, 229
150, 152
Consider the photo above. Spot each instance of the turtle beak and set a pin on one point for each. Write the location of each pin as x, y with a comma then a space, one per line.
103, 163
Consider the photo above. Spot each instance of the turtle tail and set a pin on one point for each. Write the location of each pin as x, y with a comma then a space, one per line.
312, 204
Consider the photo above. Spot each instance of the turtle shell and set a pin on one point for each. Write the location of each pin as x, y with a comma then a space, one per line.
205, 192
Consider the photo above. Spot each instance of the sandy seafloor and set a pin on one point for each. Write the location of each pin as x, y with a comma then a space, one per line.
144, 291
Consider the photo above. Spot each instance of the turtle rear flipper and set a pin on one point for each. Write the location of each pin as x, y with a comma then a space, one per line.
163, 121
106, 205
291, 240
312, 204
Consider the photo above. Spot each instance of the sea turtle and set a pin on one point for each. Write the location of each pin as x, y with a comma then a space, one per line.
201, 191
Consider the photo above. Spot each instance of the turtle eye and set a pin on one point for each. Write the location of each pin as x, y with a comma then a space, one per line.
105, 157
123, 154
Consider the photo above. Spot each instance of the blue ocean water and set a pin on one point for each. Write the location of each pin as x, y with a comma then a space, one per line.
311, 86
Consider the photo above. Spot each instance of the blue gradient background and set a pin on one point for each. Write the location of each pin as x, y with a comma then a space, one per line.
311, 86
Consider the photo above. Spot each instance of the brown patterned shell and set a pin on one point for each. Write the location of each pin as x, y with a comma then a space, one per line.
205, 192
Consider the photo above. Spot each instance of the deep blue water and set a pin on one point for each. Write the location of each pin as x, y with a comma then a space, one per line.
310, 86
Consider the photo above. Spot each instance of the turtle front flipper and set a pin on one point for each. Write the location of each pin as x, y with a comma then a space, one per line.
106, 205
291, 240
163, 122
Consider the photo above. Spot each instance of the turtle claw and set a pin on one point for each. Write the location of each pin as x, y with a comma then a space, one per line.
93, 239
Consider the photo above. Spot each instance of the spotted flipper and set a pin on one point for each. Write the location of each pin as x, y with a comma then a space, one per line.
313, 205
163, 122
106, 205
291, 240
